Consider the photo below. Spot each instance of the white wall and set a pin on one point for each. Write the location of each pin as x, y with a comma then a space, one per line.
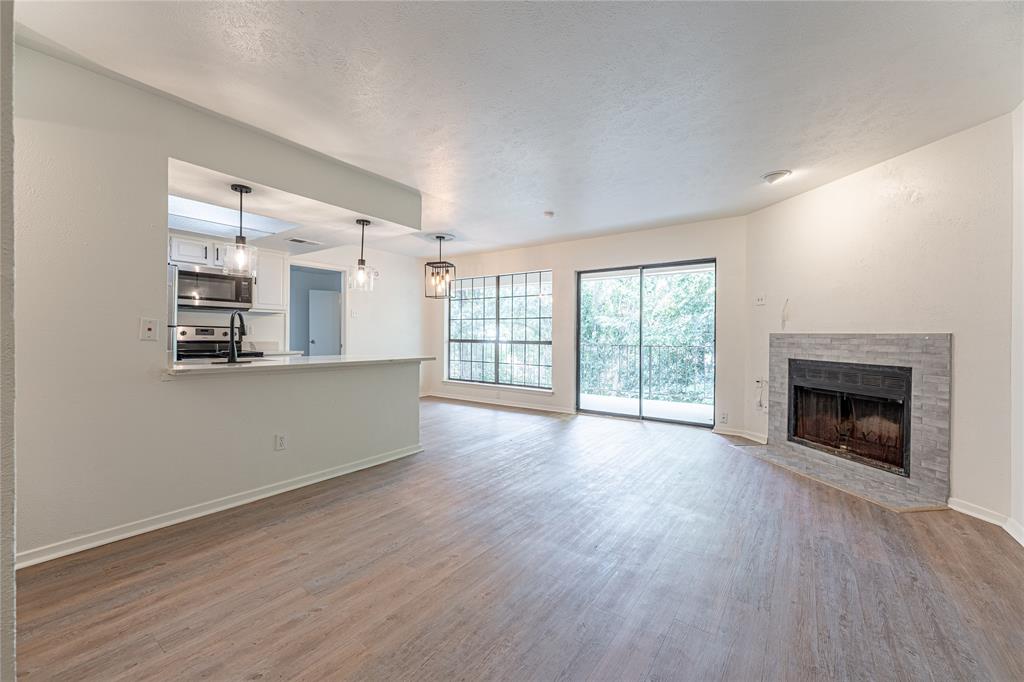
920, 243
1015, 524
388, 320
7, 616
102, 440
720, 239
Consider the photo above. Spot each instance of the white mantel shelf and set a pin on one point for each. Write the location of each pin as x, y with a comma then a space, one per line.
293, 363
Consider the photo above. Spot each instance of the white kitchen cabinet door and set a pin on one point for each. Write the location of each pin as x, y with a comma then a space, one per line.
218, 253
271, 276
186, 250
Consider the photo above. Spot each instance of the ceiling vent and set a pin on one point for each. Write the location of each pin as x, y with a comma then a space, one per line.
307, 242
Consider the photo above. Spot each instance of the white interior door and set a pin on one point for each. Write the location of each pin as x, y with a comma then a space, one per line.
324, 322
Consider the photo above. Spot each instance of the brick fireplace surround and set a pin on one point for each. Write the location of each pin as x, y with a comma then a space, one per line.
930, 358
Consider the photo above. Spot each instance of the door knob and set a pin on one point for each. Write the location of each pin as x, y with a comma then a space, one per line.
312, 340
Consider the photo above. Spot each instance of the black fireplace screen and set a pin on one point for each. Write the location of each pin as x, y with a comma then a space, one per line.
858, 412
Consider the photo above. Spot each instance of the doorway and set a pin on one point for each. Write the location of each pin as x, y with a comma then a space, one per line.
645, 342
316, 319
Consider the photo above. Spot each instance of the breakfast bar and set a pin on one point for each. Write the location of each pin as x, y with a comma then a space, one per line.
277, 364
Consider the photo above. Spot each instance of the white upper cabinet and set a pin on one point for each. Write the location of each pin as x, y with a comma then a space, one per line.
188, 250
198, 251
271, 281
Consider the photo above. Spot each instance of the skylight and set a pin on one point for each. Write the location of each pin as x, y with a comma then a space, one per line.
216, 221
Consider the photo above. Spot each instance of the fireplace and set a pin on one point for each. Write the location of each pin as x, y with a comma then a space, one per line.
854, 411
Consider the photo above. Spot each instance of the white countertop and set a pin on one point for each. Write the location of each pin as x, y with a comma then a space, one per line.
288, 363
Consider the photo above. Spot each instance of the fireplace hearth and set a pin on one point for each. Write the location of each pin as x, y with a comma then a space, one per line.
855, 411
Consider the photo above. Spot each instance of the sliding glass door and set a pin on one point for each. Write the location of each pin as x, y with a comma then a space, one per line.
678, 362
608, 357
646, 342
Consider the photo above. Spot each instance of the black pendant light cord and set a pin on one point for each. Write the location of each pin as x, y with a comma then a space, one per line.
242, 190
362, 222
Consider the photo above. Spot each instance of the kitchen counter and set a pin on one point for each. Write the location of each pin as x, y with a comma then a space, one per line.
287, 363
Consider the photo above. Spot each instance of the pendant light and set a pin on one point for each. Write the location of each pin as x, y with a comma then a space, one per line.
240, 258
362, 277
439, 275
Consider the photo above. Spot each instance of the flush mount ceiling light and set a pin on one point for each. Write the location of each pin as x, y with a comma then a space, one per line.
362, 276
241, 258
776, 176
439, 275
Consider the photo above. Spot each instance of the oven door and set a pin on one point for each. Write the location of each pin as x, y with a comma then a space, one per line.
200, 287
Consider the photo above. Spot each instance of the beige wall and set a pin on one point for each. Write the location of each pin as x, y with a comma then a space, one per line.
720, 239
104, 444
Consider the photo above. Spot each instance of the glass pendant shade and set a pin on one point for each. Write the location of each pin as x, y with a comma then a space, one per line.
240, 258
439, 275
362, 276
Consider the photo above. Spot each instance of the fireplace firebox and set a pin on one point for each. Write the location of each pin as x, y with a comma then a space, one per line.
858, 412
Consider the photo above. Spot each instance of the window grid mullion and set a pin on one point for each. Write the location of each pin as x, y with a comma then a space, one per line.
525, 332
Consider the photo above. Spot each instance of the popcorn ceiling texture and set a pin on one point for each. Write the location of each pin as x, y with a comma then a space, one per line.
614, 115
930, 358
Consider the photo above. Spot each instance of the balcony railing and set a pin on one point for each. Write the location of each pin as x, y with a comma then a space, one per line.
671, 373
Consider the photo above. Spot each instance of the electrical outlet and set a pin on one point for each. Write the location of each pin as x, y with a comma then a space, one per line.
723, 418
760, 299
280, 441
149, 329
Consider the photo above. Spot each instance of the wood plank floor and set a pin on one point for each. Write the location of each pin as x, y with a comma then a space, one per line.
526, 546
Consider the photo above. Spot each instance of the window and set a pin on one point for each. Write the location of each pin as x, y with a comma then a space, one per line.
499, 330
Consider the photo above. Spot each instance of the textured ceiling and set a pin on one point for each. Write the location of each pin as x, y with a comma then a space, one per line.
615, 116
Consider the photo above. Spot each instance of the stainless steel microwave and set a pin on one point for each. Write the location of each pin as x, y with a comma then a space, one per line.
204, 287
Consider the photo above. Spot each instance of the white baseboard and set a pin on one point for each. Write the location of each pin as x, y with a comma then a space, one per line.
502, 403
749, 435
977, 512
1015, 529
1010, 525
38, 555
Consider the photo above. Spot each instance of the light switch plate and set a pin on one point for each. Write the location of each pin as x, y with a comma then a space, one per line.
149, 329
